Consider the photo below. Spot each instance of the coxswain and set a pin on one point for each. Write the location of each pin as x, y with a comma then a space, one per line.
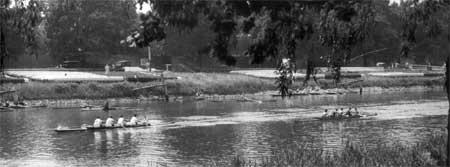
109, 122
97, 122
120, 121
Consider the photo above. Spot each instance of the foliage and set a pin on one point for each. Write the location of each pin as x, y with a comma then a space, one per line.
285, 78
426, 153
22, 17
426, 15
80, 28
343, 26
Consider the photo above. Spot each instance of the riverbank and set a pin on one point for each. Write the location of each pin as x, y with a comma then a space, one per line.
189, 84
431, 152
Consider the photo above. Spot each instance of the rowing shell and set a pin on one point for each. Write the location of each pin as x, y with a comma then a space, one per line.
339, 117
89, 128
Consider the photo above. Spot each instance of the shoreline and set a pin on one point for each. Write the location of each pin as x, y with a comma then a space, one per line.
248, 97
210, 85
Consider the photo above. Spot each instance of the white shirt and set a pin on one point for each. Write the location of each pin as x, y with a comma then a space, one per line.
120, 121
133, 120
109, 122
97, 122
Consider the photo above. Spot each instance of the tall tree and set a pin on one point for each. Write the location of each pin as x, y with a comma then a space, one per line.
343, 26
425, 14
22, 17
81, 28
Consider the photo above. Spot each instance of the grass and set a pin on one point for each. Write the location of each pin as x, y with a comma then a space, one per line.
189, 84
429, 153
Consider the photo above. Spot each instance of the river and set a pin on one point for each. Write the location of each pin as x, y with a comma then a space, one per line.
198, 132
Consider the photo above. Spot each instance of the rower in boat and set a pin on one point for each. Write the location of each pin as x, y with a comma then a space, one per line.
356, 111
335, 113
97, 123
325, 113
133, 120
349, 112
341, 112
121, 121
109, 122
6, 104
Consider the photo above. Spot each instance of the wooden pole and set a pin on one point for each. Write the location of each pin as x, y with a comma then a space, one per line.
149, 58
163, 82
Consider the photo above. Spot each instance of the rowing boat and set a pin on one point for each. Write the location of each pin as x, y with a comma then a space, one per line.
96, 109
91, 128
340, 117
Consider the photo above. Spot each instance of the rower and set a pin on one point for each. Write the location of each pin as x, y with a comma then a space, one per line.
340, 112
325, 113
133, 120
335, 113
348, 113
356, 111
97, 122
120, 121
109, 122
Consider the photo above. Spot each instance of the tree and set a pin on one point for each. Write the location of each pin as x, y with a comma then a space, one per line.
81, 28
343, 26
21, 17
276, 27
434, 16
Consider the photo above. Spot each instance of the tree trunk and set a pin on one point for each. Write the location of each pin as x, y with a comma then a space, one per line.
2, 48
447, 85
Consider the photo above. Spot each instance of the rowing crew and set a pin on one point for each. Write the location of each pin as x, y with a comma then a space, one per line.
120, 122
341, 113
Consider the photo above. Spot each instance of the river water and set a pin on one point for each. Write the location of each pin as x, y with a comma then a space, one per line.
198, 132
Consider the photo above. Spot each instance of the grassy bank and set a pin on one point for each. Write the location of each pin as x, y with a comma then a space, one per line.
189, 84
429, 153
